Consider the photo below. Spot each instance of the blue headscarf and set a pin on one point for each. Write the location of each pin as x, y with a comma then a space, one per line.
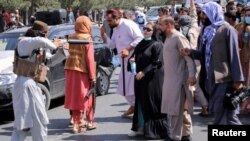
215, 14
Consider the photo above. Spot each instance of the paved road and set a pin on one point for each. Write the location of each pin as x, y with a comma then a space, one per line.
111, 127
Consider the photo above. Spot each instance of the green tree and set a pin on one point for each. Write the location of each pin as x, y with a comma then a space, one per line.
49, 5
68, 3
83, 5
86, 5
13, 4
42, 5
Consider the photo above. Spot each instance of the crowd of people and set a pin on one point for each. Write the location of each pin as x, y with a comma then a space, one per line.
10, 20
191, 53
188, 53
14, 19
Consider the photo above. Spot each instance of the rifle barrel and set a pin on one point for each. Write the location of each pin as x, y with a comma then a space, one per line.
77, 41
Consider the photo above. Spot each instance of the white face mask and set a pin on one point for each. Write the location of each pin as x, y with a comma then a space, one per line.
12, 19
147, 38
247, 20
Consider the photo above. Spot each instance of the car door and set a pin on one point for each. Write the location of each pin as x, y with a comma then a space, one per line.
57, 73
103, 55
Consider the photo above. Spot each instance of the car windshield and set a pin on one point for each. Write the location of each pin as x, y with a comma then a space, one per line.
152, 12
8, 43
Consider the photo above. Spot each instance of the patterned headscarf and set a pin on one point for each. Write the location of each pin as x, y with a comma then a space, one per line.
83, 25
215, 14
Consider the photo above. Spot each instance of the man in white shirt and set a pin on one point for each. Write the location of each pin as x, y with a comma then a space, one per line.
126, 35
28, 101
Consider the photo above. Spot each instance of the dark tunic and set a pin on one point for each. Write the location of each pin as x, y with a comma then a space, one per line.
148, 90
224, 70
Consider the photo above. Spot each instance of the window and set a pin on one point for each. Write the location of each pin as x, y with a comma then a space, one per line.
8, 43
61, 34
153, 12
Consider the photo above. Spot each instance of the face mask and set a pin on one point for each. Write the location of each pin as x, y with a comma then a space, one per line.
147, 38
247, 20
242, 19
246, 34
12, 19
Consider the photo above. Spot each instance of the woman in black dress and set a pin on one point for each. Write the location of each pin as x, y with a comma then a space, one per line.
148, 119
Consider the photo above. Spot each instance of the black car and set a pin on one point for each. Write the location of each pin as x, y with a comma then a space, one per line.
55, 85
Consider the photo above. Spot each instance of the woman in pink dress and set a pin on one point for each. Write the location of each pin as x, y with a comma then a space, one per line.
80, 76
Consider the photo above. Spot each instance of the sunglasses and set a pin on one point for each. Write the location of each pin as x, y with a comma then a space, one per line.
147, 29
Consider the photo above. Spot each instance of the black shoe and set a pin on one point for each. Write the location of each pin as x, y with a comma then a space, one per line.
186, 138
169, 139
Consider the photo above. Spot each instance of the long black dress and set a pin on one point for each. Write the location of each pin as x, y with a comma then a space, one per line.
148, 90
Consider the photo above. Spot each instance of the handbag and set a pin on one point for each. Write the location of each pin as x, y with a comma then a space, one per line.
36, 70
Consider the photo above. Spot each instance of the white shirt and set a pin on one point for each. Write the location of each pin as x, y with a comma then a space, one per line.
26, 45
125, 34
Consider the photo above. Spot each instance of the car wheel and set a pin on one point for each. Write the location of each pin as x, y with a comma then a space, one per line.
102, 82
46, 95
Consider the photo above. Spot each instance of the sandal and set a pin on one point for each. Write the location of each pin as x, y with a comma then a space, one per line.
84, 124
91, 125
81, 129
78, 129
75, 129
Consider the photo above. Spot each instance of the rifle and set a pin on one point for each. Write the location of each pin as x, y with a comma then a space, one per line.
92, 91
79, 41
